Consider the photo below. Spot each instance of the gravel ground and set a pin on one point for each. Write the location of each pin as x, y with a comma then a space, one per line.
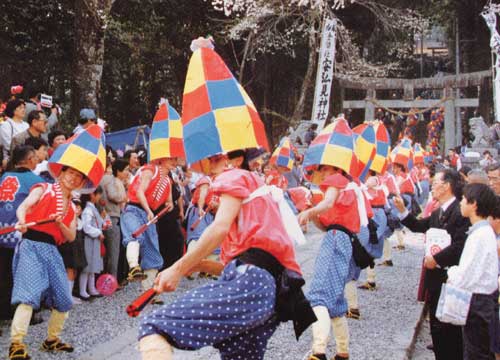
102, 330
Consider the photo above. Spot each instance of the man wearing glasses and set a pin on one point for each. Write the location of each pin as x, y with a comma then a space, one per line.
447, 190
37, 122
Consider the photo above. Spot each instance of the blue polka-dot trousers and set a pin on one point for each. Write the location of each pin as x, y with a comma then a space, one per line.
130, 220
331, 272
234, 314
39, 274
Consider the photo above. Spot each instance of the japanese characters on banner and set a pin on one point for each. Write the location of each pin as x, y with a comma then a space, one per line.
324, 76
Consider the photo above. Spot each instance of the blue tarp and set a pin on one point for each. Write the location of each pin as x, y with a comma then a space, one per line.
118, 140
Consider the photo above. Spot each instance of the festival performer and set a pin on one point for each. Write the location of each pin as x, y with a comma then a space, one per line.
254, 159
201, 212
238, 159
281, 162
275, 177
378, 193
205, 202
166, 142
402, 163
365, 148
38, 268
407, 191
299, 198
424, 178
389, 185
378, 203
367, 235
341, 213
239, 312
420, 174
148, 192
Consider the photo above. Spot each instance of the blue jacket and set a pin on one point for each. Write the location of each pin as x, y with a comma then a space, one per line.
15, 186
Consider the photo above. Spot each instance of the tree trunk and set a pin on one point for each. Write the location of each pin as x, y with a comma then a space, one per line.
308, 77
245, 54
90, 17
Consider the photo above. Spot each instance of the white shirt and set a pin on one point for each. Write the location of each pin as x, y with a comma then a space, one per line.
8, 129
477, 270
447, 204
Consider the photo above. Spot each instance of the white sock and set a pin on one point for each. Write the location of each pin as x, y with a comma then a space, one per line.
91, 285
320, 330
84, 278
132, 252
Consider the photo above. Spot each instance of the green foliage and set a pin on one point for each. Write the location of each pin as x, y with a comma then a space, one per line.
147, 53
36, 44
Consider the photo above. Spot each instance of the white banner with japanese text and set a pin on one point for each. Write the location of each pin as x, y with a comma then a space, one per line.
324, 75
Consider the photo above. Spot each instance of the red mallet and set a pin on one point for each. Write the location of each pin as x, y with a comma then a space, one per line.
9, 229
197, 222
143, 227
106, 284
136, 306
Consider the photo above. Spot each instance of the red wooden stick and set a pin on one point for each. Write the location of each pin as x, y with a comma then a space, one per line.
143, 227
136, 306
197, 222
9, 229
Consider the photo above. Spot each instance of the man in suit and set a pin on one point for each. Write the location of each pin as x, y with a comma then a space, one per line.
446, 189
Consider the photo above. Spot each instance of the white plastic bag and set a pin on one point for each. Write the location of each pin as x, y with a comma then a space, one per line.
290, 222
453, 306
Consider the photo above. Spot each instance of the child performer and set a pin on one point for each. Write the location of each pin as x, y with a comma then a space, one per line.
38, 269
276, 177
340, 214
255, 248
407, 190
391, 189
149, 192
378, 203
203, 208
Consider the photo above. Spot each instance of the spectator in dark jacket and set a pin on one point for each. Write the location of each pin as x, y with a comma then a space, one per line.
447, 190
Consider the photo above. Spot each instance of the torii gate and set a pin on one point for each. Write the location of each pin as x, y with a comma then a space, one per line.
447, 83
